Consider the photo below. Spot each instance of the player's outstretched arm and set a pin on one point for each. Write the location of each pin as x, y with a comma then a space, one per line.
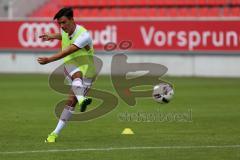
69, 50
48, 36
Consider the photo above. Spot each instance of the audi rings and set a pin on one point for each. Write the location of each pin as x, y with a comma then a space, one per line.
28, 34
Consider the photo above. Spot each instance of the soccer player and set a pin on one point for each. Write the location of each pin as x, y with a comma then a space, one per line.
77, 47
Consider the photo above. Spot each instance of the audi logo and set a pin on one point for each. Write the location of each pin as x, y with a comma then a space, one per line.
28, 34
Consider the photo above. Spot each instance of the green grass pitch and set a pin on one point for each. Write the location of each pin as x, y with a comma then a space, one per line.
212, 132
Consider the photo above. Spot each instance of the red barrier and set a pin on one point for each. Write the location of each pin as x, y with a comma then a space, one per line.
144, 35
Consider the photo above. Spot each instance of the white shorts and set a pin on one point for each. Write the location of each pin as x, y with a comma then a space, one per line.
70, 70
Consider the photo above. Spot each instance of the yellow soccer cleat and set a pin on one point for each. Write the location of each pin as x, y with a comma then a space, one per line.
51, 138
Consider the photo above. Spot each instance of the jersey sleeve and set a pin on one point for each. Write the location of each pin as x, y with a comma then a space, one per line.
83, 40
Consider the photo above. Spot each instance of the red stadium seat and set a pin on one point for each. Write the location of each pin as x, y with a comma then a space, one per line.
203, 12
202, 2
214, 12
153, 12
192, 12
136, 8
235, 2
172, 12
132, 2
234, 12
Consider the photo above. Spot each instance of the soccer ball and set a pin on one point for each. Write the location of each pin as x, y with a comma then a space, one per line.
163, 93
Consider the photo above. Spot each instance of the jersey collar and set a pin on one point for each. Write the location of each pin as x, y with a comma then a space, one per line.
74, 33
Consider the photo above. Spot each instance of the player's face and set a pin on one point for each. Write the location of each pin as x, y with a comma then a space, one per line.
66, 24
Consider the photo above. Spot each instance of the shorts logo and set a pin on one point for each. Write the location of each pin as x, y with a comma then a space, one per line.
28, 34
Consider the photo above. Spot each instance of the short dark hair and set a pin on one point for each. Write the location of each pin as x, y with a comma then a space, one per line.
66, 11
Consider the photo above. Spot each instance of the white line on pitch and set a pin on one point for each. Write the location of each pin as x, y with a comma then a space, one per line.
119, 148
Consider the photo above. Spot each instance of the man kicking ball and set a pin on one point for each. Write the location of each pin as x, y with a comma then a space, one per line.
77, 47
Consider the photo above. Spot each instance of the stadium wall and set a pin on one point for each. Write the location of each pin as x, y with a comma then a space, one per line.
187, 47
177, 64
